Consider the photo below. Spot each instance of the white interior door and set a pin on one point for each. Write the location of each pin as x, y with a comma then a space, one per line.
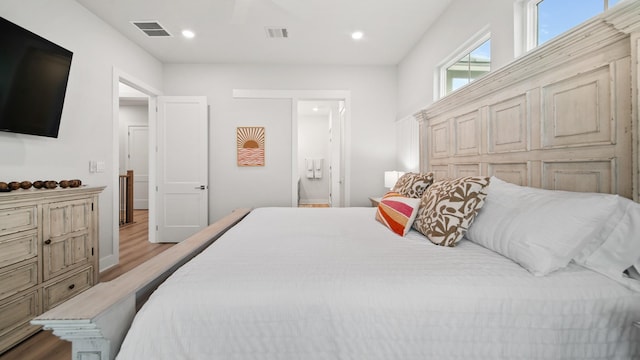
334, 168
337, 156
138, 158
182, 165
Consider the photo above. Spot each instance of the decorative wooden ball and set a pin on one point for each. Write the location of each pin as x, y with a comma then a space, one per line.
26, 184
75, 183
38, 184
64, 184
14, 185
50, 184
4, 187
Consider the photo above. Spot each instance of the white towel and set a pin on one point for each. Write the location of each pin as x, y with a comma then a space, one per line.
309, 168
317, 168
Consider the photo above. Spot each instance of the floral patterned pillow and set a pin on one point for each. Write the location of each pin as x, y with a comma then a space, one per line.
448, 208
413, 185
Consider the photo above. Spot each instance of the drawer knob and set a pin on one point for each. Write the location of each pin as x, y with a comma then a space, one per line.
72, 286
47, 242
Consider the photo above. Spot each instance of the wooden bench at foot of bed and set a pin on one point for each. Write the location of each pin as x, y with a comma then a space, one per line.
96, 321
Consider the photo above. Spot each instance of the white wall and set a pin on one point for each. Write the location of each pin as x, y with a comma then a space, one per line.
460, 21
408, 145
373, 107
86, 128
417, 71
313, 142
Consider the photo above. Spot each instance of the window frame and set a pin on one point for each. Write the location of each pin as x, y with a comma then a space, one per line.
474, 42
529, 18
531, 23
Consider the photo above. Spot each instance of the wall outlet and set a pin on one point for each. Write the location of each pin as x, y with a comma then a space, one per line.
93, 166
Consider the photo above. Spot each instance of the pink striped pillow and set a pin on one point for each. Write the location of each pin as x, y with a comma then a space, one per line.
397, 212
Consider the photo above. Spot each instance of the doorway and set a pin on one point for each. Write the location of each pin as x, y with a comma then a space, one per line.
133, 191
320, 143
136, 91
134, 142
158, 146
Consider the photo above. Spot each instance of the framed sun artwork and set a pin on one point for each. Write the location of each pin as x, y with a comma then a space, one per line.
250, 142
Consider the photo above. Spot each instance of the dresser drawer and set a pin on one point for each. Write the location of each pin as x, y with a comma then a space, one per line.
14, 279
17, 335
18, 219
18, 311
18, 247
67, 287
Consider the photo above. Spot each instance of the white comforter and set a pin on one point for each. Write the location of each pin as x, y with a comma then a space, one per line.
335, 284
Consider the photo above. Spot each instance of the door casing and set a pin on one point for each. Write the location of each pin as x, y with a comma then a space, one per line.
120, 76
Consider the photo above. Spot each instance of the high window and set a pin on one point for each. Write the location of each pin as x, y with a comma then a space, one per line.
547, 19
467, 65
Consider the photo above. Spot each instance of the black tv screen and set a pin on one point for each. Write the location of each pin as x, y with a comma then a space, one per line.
33, 81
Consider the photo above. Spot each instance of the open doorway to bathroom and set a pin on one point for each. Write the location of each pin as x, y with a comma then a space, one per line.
320, 154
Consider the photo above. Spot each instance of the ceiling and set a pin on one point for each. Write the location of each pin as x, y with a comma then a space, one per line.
233, 31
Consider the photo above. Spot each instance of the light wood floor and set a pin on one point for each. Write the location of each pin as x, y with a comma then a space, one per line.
134, 250
313, 205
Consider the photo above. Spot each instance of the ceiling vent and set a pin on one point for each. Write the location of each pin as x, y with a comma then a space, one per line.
277, 33
151, 28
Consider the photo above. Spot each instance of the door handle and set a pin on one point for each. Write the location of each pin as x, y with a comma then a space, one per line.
201, 187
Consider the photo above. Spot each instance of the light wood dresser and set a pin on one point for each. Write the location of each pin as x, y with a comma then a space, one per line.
48, 254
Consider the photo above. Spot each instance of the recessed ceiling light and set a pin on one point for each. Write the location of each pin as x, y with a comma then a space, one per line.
188, 34
315, 109
357, 35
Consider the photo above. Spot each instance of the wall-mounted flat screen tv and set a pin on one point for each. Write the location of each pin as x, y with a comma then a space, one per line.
33, 81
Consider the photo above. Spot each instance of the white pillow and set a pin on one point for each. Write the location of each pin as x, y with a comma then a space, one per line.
542, 230
616, 247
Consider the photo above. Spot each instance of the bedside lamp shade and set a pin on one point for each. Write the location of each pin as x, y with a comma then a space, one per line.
390, 178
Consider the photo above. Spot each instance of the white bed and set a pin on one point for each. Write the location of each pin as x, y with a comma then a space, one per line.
336, 284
